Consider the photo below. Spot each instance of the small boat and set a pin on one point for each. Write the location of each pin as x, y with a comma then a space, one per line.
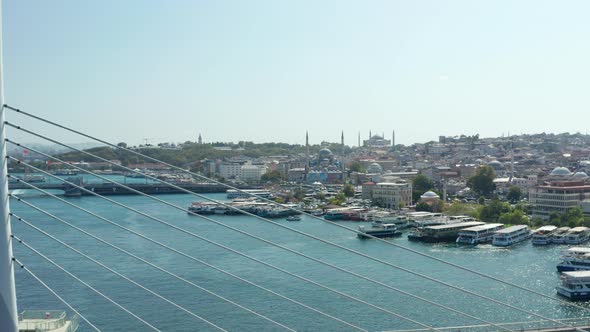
575, 285
381, 231
293, 218
511, 235
543, 235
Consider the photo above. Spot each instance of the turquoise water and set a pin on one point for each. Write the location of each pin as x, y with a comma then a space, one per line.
523, 264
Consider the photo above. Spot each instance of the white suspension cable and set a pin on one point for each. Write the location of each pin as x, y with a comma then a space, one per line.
147, 262
288, 249
83, 282
120, 275
56, 295
268, 265
280, 225
481, 274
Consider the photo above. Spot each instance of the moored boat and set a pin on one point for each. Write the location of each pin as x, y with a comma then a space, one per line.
381, 231
543, 235
577, 235
478, 234
441, 233
575, 285
293, 218
511, 235
574, 259
559, 234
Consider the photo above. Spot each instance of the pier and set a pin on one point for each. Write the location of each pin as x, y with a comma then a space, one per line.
108, 188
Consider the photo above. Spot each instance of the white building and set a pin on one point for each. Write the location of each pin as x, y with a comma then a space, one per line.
230, 170
252, 173
390, 194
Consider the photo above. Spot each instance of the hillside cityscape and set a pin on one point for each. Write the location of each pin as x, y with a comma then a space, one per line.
518, 179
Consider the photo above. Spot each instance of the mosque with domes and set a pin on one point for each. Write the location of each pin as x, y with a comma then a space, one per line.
561, 191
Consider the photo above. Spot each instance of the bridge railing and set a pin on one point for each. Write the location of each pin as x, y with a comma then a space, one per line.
514, 326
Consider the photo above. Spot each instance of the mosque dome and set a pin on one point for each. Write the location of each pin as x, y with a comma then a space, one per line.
560, 171
374, 168
581, 175
429, 195
496, 164
325, 152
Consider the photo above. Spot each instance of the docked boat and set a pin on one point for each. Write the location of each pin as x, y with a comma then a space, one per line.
574, 259
203, 208
478, 234
511, 235
575, 285
559, 234
380, 231
66, 172
293, 218
441, 233
398, 220
247, 193
543, 235
577, 235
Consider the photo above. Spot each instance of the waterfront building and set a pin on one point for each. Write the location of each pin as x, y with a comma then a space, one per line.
231, 169
563, 191
252, 173
391, 195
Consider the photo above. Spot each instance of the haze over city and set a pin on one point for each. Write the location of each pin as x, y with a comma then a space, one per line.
270, 70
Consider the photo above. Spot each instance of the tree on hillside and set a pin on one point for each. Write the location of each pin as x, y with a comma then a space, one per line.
420, 184
423, 207
514, 194
299, 193
271, 176
483, 181
348, 190
356, 166
515, 217
492, 211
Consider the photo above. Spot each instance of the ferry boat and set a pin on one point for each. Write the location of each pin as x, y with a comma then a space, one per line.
203, 208
441, 233
543, 235
399, 221
559, 234
293, 218
66, 172
577, 235
336, 214
478, 234
575, 285
247, 193
574, 259
381, 231
511, 235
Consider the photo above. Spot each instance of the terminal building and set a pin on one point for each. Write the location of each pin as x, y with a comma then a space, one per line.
563, 191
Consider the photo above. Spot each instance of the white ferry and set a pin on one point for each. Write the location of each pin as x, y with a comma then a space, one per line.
246, 193
398, 220
543, 235
441, 233
478, 234
559, 234
578, 235
574, 259
511, 235
575, 285
381, 231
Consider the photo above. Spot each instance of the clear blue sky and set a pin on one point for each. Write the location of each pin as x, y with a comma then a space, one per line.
269, 70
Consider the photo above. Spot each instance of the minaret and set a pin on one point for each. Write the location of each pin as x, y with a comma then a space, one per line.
370, 135
393, 139
200, 140
306, 156
342, 155
359, 139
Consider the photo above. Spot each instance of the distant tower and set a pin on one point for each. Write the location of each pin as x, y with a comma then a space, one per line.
370, 135
359, 139
393, 139
200, 140
342, 153
306, 155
